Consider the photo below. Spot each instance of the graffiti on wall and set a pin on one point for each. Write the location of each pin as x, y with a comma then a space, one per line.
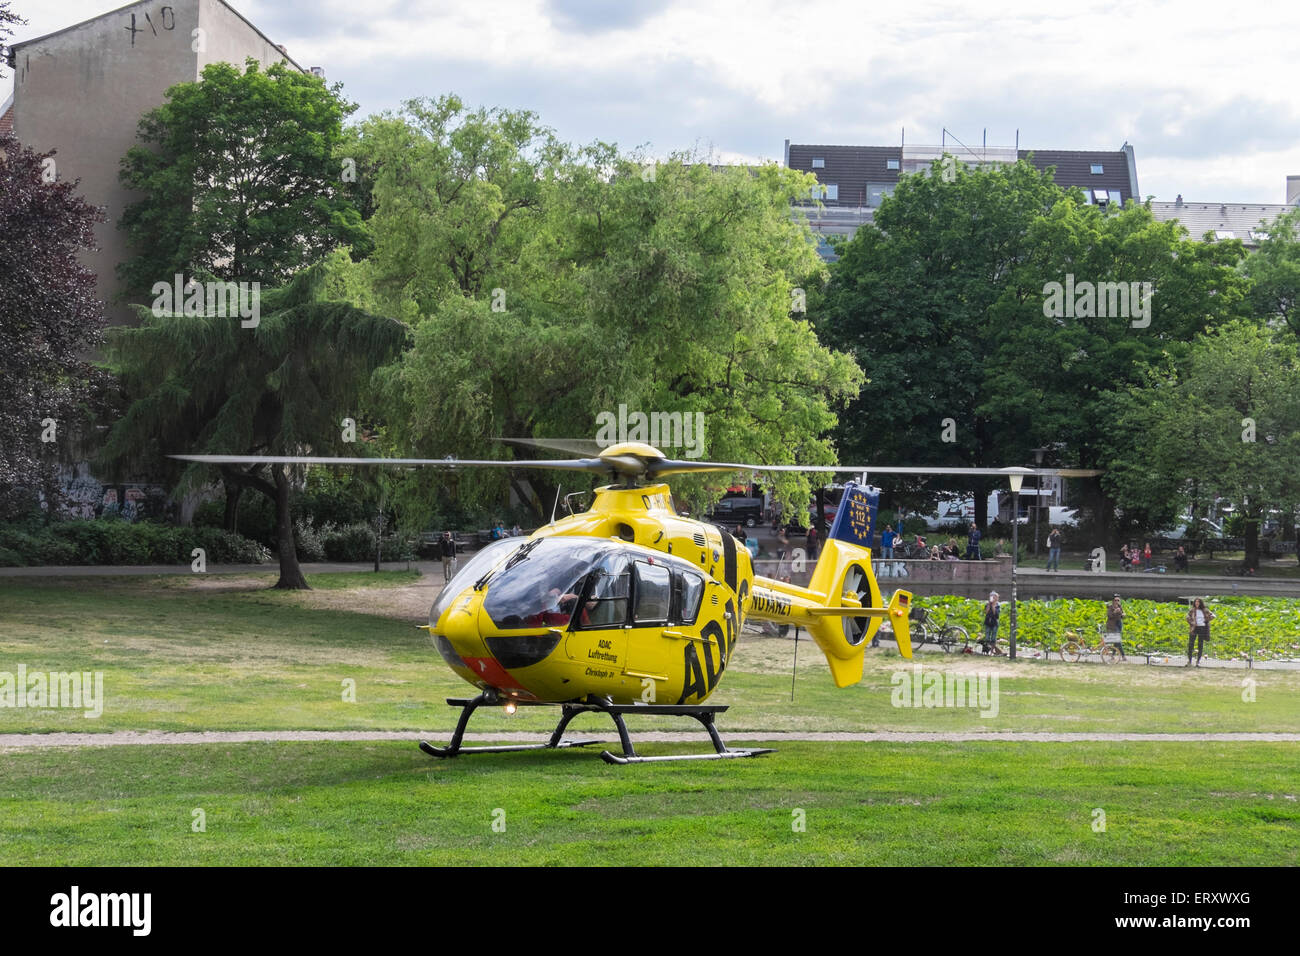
84, 496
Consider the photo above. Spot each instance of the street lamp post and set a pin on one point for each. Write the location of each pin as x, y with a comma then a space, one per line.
1038, 493
1016, 476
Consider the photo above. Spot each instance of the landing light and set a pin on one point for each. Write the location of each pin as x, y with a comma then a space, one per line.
510, 707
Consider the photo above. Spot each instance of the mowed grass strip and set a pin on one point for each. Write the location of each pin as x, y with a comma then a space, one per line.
193, 654
1011, 804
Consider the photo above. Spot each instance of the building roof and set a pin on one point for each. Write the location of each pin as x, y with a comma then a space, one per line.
15, 47
7, 116
1244, 221
1074, 168
860, 171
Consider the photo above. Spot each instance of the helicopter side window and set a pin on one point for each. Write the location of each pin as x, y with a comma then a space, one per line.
688, 590
605, 604
653, 594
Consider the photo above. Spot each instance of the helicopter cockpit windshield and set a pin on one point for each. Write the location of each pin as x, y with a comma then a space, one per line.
545, 587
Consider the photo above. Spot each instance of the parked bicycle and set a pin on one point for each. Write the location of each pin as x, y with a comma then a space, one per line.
1075, 646
952, 638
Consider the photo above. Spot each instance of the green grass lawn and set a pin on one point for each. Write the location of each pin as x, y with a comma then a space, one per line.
1007, 804
181, 654
237, 657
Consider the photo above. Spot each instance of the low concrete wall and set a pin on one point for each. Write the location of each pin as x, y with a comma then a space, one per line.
920, 577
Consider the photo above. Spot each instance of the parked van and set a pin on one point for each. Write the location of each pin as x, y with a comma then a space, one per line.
733, 511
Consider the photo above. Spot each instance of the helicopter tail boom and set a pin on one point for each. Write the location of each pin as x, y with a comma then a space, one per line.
841, 606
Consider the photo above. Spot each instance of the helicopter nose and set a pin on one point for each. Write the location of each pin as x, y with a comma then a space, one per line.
460, 627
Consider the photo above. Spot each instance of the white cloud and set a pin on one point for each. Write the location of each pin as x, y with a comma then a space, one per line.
1202, 91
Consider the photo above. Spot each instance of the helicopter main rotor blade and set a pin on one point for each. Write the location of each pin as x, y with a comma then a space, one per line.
666, 466
574, 446
631, 465
597, 465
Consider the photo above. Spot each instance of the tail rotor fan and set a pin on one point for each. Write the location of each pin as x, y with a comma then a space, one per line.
856, 585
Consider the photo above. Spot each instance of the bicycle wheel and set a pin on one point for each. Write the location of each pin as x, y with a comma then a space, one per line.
1109, 653
954, 639
921, 634
1071, 651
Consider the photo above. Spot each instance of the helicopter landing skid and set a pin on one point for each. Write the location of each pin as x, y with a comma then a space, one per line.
704, 713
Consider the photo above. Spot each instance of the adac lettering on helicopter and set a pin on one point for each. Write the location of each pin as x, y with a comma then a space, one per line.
603, 651
700, 680
855, 522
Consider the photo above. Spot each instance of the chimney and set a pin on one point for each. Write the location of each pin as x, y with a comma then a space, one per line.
1178, 200
318, 71
1293, 190
787, 154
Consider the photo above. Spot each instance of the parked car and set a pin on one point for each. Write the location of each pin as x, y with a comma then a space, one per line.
733, 511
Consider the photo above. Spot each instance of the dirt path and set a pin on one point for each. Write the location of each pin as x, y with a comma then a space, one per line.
155, 737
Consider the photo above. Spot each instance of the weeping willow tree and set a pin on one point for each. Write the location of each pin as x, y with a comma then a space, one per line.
220, 384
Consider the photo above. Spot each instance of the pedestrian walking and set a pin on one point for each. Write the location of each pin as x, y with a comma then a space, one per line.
447, 548
1198, 629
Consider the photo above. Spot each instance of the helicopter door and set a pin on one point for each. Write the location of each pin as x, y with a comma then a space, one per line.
597, 636
649, 655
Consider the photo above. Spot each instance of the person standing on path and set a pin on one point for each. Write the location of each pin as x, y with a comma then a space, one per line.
1198, 629
887, 542
1054, 550
992, 614
973, 543
1115, 623
812, 542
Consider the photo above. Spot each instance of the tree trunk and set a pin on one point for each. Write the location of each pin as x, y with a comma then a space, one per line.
230, 520
1252, 544
291, 577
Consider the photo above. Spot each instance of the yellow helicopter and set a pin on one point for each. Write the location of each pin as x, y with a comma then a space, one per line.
631, 608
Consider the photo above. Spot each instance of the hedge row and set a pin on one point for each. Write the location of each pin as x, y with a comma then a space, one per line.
121, 542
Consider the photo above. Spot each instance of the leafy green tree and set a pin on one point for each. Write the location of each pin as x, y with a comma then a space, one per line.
49, 319
207, 385
912, 298
1224, 419
240, 179
664, 288
1274, 271
973, 356
1100, 295
452, 195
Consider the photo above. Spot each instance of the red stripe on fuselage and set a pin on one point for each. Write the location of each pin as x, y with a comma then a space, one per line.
490, 671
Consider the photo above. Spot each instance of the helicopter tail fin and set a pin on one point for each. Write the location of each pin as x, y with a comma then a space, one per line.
853, 612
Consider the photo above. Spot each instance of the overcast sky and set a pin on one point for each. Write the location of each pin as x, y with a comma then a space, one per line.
1204, 91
